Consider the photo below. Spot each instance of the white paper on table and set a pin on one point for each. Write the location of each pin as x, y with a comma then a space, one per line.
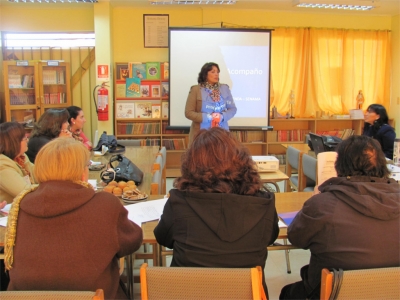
281, 224
326, 166
6, 209
93, 183
3, 221
145, 211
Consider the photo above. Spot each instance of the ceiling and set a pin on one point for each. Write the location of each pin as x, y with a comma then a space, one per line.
387, 7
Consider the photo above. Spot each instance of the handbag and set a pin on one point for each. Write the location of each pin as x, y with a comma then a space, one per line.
110, 142
124, 171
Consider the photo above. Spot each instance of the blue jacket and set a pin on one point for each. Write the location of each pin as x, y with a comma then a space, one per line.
385, 135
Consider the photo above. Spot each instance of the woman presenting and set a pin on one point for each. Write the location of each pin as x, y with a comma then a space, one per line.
209, 104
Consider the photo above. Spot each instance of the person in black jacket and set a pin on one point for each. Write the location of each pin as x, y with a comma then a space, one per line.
376, 126
217, 216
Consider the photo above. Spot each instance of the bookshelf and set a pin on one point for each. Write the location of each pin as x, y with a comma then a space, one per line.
142, 108
32, 87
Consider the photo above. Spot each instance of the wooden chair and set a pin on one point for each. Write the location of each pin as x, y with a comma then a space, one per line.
380, 283
52, 295
293, 162
308, 173
200, 283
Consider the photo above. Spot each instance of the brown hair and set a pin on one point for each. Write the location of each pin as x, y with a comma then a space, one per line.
217, 163
50, 123
61, 159
11, 135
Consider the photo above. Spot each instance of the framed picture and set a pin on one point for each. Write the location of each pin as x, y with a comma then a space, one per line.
155, 29
155, 91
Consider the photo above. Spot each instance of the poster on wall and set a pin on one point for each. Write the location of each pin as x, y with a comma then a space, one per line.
155, 31
103, 73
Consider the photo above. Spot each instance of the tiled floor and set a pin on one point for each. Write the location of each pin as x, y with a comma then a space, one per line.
276, 274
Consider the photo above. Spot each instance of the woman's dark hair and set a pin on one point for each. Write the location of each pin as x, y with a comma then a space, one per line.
11, 135
73, 112
204, 70
381, 111
50, 123
217, 163
361, 155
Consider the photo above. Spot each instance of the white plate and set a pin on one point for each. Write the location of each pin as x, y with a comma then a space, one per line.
127, 200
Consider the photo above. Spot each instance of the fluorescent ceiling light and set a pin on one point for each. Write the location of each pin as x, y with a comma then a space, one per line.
53, 1
188, 2
360, 5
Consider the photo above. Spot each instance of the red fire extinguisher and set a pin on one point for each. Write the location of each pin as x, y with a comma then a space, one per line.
102, 102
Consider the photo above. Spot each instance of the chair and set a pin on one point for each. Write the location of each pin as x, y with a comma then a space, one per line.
308, 173
200, 283
52, 295
380, 283
129, 142
157, 180
293, 161
163, 154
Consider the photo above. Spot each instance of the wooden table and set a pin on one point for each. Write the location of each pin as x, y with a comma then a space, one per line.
273, 178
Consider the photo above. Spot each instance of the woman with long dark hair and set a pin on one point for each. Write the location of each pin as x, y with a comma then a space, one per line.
377, 127
76, 121
52, 124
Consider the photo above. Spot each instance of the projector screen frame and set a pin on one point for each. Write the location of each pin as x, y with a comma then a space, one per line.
267, 84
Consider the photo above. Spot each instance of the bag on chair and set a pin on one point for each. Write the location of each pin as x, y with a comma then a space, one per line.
124, 171
110, 142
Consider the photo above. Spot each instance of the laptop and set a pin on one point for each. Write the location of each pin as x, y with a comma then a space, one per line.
317, 143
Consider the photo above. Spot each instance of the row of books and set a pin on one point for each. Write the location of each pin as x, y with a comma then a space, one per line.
22, 97
138, 128
244, 136
54, 98
141, 110
53, 77
18, 81
147, 70
174, 144
294, 135
171, 131
340, 133
136, 87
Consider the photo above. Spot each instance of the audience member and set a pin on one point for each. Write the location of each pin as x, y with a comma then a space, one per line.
63, 235
376, 126
353, 223
217, 216
16, 171
76, 121
53, 123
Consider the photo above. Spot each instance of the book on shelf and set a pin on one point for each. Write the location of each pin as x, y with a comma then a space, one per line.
145, 90
136, 128
143, 109
22, 97
120, 89
132, 87
155, 91
153, 71
170, 131
150, 142
122, 71
174, 144
14, 81
165, 70
155, 111
137, 70
125, 110
164, 89
164, 109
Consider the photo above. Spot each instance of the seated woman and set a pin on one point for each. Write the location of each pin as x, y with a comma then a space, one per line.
76, 121
217, 216
53, 123
64, 235
16, 171
353, 223
376, 126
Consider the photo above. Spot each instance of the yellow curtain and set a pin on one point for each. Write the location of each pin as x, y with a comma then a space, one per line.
326, 68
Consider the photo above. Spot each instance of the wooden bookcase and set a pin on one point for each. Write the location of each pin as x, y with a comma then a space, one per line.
136, 116
32, 87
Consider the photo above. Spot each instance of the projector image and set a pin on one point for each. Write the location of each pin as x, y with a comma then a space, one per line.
266, 163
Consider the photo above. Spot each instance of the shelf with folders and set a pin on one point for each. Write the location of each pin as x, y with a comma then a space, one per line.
32, 87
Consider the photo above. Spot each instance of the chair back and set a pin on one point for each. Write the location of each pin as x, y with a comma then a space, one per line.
293, 161
52, 295
200, 283
380, 283
309, 173
163, 154
156, 183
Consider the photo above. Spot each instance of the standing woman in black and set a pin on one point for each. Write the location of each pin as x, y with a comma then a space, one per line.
377, 127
